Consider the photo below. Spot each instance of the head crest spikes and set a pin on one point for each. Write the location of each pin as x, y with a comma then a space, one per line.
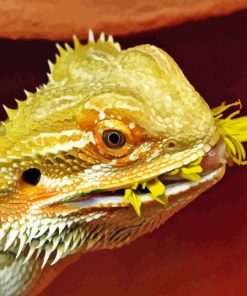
68, 48
10, 112
110, 39
102, 37
77, 43
60, 49
90, 36
112, 42
27, 93
51, 66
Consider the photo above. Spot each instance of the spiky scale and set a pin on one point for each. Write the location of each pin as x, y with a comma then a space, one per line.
60, 49
55, 242
51, 66
76, 41
102, 37
12, 235
60, 253
10, 112
68, 47
91, 36
48, 251
52, 229
32, 249
23, 239
2, 234
67, 242
110, 39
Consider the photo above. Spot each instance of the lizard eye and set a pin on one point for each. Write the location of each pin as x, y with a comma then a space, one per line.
113, 139
31, 176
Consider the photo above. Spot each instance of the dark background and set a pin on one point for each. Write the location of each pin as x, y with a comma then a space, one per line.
202, 250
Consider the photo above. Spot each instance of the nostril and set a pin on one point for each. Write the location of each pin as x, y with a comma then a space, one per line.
171, 144
31, 176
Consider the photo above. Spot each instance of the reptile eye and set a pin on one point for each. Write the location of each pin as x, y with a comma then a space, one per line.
31, 176
113, 139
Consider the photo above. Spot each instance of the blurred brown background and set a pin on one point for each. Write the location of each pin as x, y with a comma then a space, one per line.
202, 249
53, 19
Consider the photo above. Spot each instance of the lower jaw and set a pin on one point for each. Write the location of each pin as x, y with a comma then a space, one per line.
176, 193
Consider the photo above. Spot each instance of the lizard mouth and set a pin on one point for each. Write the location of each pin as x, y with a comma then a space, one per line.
212, 167
115, 199
196, 176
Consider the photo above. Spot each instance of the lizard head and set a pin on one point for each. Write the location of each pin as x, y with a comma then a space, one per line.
109, 124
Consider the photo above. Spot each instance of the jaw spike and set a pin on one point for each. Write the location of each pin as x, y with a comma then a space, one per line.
48, 251
12, 235
23, 239
76, 41
90, 36
31, 251
60, 252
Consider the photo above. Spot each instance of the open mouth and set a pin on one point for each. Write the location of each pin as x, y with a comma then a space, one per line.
115, 198
163, 188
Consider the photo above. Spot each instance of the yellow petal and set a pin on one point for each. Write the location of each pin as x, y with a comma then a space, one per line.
191, 176
173, 172
192, 169
161, 199
233, 114
196, 162
230, 145
234, 131
223, 107
156, 187
134, 199
135, 185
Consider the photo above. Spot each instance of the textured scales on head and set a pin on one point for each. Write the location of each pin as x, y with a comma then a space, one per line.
108, 119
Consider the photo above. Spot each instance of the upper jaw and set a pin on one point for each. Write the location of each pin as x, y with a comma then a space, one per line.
172, 190
213, 165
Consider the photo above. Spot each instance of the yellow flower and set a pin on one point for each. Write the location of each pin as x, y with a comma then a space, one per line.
233, 131
157, 192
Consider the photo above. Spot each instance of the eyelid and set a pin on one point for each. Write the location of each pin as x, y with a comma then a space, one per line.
113, 124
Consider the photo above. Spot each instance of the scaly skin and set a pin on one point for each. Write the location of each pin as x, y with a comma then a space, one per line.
92, 88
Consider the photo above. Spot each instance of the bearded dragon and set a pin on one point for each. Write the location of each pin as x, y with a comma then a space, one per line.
113, 145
